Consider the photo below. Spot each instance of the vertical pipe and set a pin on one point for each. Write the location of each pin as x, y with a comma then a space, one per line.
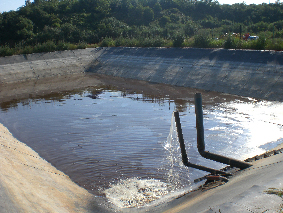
181, 139
184, 153
200, 140
199, 122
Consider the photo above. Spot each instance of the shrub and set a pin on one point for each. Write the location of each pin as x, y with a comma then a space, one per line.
279, 34
151, 42
82, 45
201, 41
233, 43
158, 42
178, 40
28, 50
229, 43
188, 42
72, 46
6, 51
216, 43
120, 42
132, 42
147, 42
91, 45
260, 43
48, 46
107, 42
62, 45
276, 44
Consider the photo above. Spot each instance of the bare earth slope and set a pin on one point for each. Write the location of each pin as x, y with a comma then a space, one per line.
33, 184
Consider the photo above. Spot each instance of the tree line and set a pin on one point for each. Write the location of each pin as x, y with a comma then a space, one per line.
46, 25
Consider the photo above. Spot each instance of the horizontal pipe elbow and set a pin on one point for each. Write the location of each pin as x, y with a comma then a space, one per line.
202, 152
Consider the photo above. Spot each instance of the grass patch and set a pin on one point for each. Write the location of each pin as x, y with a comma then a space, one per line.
275, 191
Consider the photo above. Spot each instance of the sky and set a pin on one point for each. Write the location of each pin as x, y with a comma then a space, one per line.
7, 5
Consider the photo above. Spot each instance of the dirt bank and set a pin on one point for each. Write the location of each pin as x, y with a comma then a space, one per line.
32, 184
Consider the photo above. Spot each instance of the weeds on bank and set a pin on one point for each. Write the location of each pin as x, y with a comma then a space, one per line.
48, 46
199, 41
278, 192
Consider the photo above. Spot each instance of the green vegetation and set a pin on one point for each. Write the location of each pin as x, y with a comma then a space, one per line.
49, 25
278, 192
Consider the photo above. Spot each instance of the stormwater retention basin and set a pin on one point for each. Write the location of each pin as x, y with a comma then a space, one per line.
120, 142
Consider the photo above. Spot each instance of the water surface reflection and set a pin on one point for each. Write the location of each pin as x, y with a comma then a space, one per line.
102, 136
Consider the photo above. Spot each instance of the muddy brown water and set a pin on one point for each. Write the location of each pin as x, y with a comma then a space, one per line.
107, 136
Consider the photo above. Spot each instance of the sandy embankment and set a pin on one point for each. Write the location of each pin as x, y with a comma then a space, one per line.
28, 183
33, 185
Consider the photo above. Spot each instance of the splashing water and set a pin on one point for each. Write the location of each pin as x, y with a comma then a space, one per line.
177, 174
134, 192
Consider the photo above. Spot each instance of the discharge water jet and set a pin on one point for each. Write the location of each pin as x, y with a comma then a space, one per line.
183, 150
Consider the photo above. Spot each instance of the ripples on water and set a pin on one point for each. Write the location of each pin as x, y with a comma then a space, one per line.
123, 147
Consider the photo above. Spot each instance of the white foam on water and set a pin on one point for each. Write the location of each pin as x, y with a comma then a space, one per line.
135, 192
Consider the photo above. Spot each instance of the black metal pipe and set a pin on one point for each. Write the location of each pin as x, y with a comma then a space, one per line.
181, 139
200, 140
199, 122
184, 153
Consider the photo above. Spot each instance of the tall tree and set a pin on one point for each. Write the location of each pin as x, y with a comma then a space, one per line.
15, 28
